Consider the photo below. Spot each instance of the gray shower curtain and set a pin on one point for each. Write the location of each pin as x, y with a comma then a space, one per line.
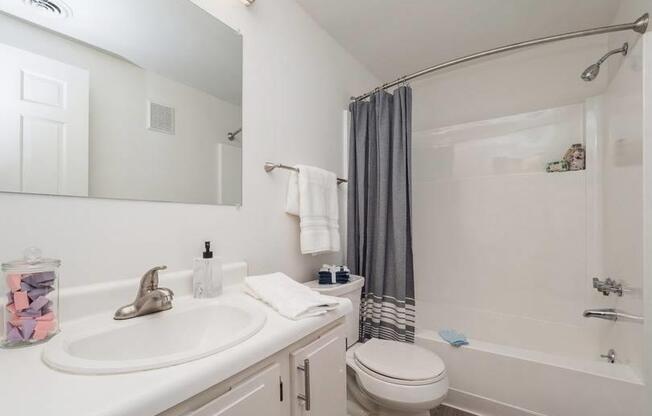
379, 237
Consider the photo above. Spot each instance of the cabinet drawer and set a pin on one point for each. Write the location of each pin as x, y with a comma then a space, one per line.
257, 395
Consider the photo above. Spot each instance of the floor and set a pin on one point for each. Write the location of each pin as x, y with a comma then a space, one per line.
448, 411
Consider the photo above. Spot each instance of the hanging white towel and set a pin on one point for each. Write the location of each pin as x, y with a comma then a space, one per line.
289, 297
312, 196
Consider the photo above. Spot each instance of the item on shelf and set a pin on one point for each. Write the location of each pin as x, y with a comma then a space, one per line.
342, 274
331, 274
575, 157
32, 300
325, 275
558, 166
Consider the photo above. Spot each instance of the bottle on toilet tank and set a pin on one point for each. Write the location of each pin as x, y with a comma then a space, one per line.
207, 274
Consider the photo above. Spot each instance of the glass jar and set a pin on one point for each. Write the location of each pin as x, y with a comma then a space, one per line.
31, 299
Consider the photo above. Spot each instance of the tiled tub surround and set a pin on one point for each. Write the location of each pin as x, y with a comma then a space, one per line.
500, 245
505, 253
145, 392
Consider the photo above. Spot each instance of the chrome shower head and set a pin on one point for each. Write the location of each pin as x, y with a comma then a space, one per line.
593, 70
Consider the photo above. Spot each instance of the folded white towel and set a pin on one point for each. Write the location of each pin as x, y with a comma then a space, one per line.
312, 195
289, 297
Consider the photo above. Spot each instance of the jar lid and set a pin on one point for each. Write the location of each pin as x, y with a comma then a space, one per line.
31, 262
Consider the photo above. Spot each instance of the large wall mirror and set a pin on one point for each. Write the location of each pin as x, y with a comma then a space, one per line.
125, 99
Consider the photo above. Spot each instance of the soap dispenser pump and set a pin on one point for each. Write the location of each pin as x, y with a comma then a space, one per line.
208, 254
207, 274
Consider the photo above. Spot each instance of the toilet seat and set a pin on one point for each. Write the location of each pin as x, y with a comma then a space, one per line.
396, 381
399, 363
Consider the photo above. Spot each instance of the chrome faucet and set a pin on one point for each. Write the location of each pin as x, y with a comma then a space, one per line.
606, 313
150, 297
611, 314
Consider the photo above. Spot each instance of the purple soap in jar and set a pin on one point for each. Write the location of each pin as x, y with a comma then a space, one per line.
32, 299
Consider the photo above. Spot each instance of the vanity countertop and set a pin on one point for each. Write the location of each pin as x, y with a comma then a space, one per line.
28, 387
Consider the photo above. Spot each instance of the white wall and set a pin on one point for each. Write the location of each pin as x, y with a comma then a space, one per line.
130, 161
647, 210
622, 202
532, 79
127, 160
297, 82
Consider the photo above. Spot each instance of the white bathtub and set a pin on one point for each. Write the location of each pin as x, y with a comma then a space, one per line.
497, 380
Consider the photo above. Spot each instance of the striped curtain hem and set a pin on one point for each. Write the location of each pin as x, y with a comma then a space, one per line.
386, 317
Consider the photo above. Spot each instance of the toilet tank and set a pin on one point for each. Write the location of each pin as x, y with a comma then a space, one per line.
351, 290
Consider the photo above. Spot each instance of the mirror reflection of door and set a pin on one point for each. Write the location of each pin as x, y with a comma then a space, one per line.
229, 163
44, 107
159, 93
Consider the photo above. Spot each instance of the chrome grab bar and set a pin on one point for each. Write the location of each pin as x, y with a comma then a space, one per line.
306, 383
611, 314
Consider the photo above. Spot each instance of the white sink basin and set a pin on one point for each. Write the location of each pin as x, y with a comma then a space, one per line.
190, 330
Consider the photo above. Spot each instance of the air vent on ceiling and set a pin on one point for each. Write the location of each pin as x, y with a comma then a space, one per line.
160, 118
51, 8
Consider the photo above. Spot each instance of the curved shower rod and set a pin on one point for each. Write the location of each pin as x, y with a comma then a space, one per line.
639, 26
233, 134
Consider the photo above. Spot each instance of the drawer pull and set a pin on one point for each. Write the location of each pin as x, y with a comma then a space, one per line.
306, 377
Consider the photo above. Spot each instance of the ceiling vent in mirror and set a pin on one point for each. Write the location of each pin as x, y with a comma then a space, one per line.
51, 8
160, 118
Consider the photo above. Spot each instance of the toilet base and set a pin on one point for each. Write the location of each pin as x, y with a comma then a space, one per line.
354, 409
359, 404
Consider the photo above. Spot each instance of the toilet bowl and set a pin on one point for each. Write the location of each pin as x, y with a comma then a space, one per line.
394, 378
387, 377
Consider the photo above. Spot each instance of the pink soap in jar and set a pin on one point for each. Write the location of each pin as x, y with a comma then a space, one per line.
31, 299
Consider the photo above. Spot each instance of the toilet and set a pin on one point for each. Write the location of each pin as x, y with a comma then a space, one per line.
386, 377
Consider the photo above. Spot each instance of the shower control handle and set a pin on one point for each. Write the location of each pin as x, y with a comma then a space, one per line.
608, 286
610, 356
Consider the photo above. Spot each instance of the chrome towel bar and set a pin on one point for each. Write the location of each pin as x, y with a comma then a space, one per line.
269, 166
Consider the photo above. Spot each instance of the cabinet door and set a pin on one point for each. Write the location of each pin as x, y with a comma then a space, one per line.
258, 395
319, 376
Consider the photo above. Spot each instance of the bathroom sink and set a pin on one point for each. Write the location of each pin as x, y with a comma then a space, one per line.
193, 329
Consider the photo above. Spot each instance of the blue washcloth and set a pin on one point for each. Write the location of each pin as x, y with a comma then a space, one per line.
456, 339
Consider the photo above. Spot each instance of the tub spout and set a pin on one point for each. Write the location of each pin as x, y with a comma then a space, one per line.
607, 313
611, 315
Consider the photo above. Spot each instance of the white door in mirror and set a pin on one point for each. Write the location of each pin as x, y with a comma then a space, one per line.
44, 105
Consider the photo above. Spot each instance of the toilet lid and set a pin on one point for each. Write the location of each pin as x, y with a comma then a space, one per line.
398, 360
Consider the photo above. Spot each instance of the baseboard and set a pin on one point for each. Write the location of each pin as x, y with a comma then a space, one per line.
483, 406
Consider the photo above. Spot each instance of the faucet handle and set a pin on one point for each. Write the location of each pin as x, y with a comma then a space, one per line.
149, 281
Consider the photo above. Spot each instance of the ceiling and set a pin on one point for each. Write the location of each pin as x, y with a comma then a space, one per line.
173, 38
396, 37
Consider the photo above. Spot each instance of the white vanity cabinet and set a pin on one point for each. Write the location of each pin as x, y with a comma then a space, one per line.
276, 386
319, 376
258, 395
